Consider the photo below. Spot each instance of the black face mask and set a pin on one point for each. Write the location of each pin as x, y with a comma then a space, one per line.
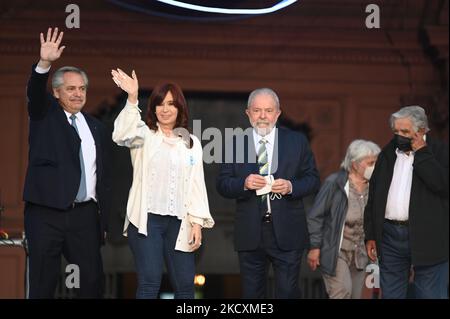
403, 143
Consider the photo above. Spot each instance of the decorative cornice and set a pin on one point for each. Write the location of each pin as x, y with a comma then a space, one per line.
266, 53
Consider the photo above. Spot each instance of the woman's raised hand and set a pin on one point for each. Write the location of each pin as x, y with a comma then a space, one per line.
127, 83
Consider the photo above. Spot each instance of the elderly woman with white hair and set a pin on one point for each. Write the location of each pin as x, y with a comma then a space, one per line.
335, 223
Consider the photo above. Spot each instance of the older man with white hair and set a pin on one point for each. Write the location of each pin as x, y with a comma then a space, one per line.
406, 217
269, 185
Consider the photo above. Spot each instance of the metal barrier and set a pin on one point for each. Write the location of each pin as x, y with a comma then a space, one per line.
22, 242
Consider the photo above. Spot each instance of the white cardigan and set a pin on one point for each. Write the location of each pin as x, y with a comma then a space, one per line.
132, 132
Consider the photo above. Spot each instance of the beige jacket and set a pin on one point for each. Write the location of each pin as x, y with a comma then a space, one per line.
132, 132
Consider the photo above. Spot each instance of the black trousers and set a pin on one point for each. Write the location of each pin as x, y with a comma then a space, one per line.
73, 233
254, 267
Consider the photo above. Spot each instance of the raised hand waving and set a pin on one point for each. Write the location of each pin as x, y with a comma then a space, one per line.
127, 83
50, 47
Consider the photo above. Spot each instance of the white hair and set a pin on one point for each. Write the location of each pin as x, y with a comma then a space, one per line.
263, 91
57, 79
415, 113
358, 150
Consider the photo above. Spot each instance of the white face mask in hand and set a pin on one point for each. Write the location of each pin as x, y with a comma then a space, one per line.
268, 188
368, 172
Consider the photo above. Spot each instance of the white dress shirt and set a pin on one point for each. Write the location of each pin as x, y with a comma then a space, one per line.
397, 206
89, 153
40, 70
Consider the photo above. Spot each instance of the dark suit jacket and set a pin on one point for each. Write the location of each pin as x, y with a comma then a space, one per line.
53, 174
296, 164
428, 205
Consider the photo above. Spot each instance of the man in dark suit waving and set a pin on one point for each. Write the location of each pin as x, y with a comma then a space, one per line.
66, 186
272, 169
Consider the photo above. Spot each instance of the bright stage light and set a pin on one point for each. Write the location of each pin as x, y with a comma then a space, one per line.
280, 5
199, 280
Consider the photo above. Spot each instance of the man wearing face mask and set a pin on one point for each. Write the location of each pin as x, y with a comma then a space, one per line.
270, 228
406, 217
335, 223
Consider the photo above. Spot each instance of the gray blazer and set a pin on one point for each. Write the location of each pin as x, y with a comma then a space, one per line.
326, 220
